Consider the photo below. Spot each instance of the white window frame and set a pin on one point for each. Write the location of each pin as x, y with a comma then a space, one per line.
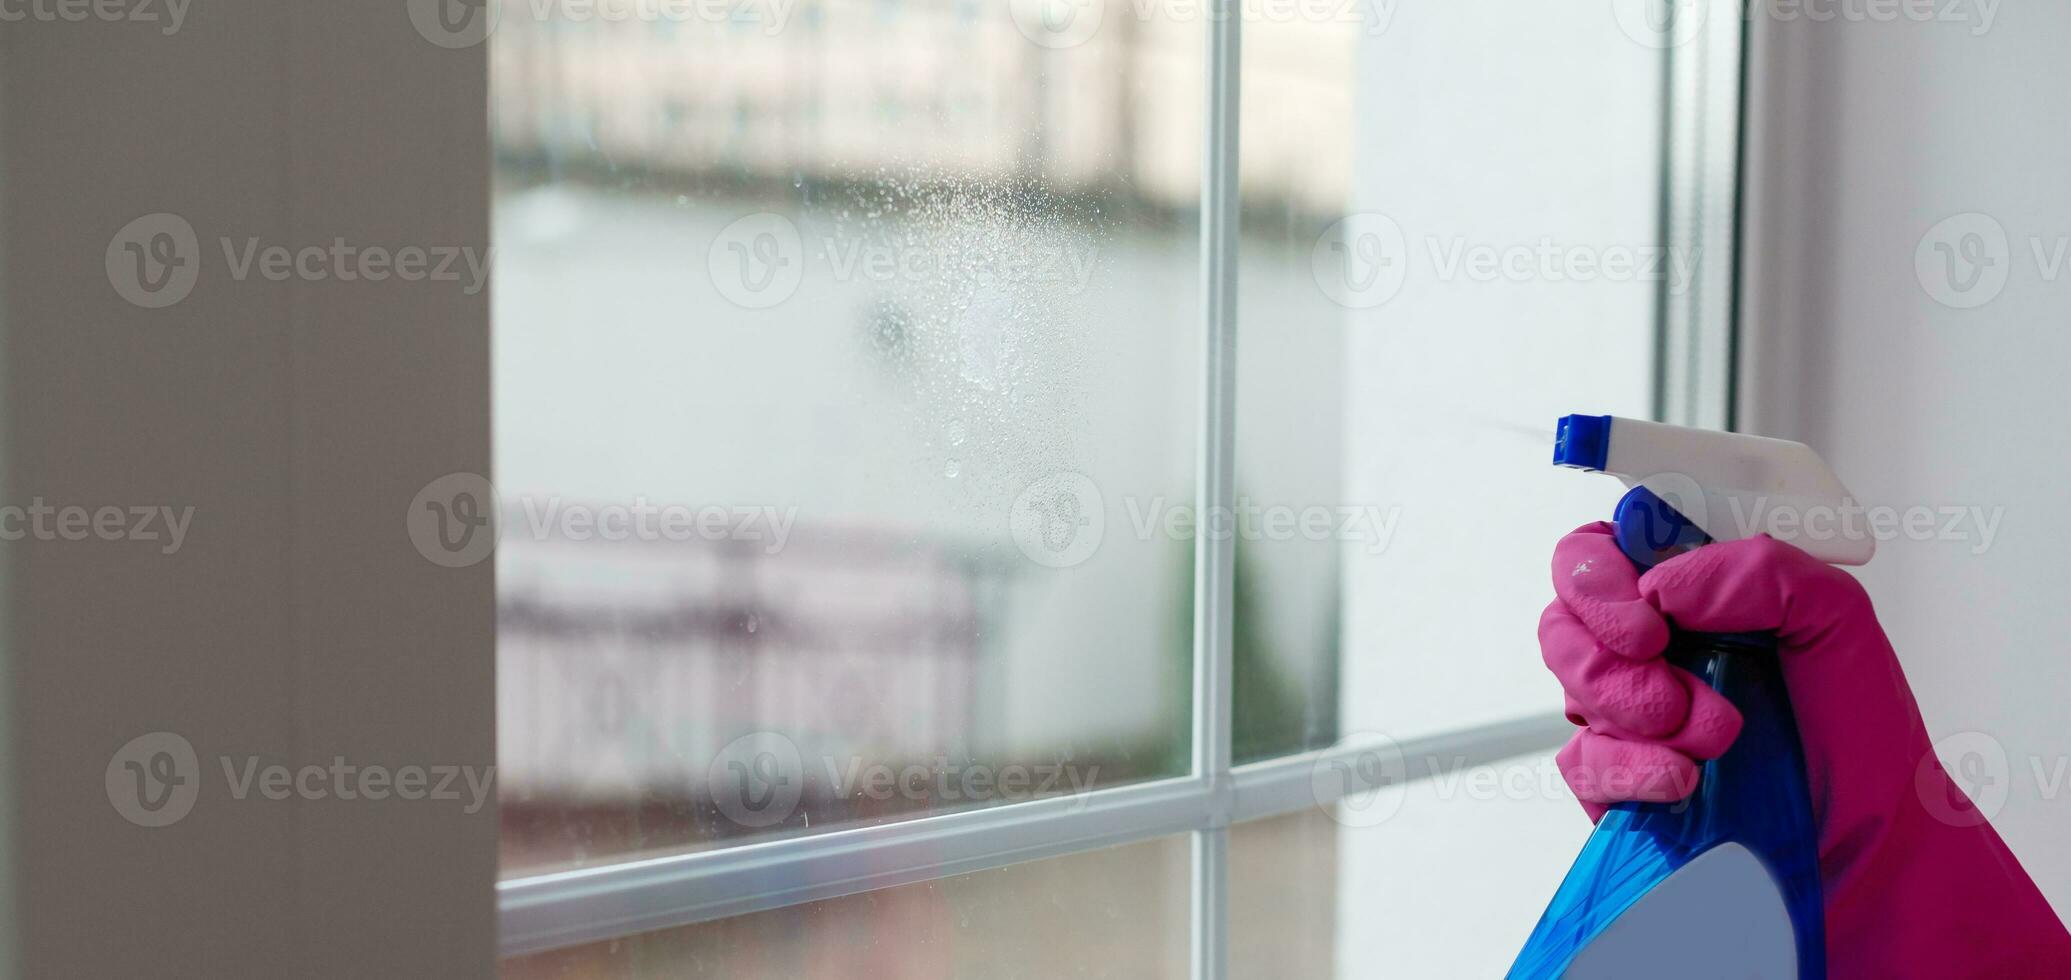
546, 911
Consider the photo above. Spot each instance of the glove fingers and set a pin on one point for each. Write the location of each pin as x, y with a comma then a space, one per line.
1711, 725
1599, 585
1754, 584
1640, 697
1602, 769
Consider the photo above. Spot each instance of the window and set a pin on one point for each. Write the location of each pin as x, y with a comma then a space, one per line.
1066, 464
831, 375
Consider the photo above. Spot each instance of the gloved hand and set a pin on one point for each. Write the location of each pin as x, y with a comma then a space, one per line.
1916, 882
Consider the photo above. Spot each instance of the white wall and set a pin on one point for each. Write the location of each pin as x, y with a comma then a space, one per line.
1866, 135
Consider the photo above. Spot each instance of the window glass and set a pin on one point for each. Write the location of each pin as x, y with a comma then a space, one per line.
846, 384
1449, 240
1440, 878
1119, 913
1284, 896
1296, 524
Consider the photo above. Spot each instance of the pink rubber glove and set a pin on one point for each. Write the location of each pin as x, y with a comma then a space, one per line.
1916, 882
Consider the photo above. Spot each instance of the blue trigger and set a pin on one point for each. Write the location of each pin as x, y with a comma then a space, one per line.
1650, 532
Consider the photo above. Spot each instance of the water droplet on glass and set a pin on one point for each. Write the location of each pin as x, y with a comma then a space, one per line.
951, 469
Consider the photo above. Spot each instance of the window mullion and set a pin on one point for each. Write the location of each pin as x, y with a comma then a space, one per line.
1215, 542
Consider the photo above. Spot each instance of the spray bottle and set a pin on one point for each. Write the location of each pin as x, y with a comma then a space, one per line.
1728, 879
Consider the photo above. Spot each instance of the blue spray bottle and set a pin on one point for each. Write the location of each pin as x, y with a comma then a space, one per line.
1728, 879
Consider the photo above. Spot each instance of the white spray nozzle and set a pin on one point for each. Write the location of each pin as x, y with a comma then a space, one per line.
1730, 485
